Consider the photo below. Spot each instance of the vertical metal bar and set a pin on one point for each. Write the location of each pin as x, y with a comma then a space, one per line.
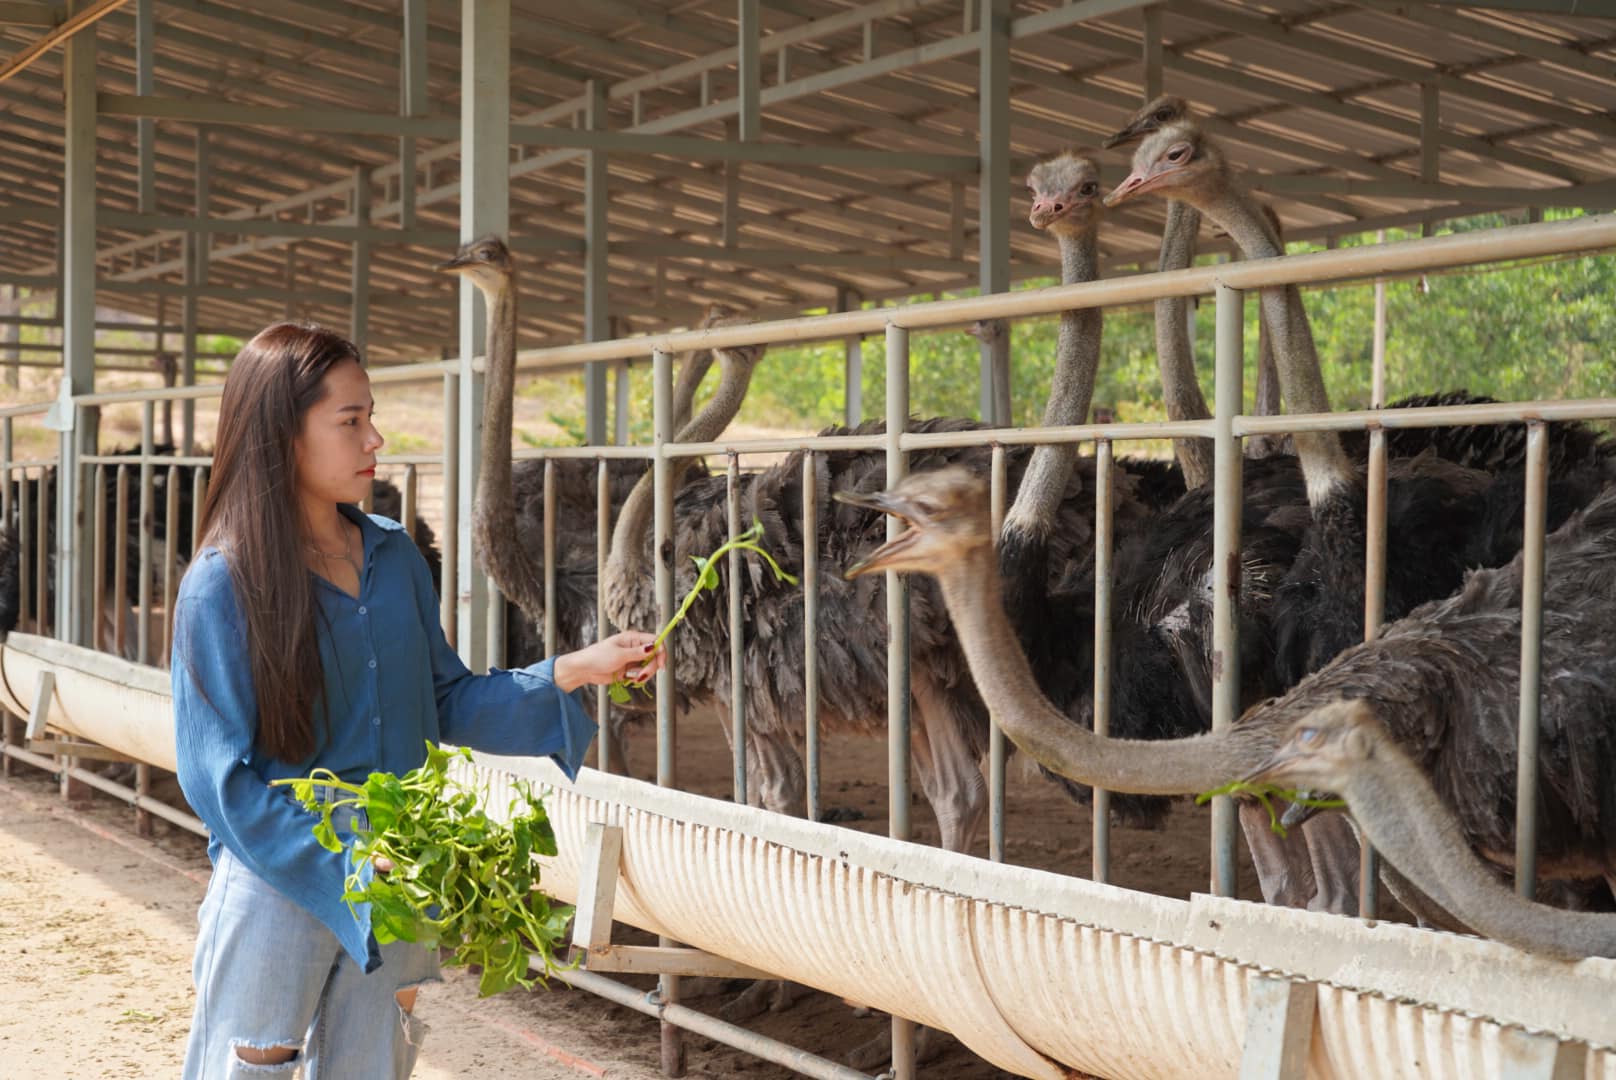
409, 504
993, 199
10, 353
597, 299
552, 633
749, 70
1230, 359
852, 363
1103, 537
28, 552
78, 296
737, 633
148, 418
98, 553
672, 1039
448, 585
1430, 134
412, 101
171, 577
120, 561
1526, 777
1153, 53
199, 498
359, 271
367, 502
485, 207
42, 547
998, 486
1375, 564
6, 479
810, 627
495, 627
145, 128
903, 1031
603, 534
196, 273
729, 224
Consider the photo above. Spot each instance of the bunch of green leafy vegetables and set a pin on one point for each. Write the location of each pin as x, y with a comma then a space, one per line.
458, 878
1265, 794
706, 581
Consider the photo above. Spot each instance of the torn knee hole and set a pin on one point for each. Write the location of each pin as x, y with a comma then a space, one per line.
266, 1055
406, 999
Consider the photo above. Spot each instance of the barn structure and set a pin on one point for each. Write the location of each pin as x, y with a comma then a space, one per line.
185, 170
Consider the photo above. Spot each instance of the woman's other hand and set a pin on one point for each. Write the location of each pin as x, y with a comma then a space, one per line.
624, 655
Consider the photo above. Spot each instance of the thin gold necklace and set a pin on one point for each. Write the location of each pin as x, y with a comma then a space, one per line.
346, 554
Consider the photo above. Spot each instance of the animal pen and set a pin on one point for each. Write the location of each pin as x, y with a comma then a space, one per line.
203, 168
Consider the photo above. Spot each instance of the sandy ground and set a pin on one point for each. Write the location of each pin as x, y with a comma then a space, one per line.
98, 926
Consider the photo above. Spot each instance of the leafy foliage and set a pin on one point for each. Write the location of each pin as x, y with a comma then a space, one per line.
706, 581
1265, 794
459, 878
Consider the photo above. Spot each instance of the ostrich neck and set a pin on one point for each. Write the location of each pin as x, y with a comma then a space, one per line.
1077, 358
1301, 380
630, 556
493, 524
1175, 357
691, 372
1005, 679
1395, 805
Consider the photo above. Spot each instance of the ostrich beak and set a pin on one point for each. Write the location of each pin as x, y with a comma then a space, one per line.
1138, 183
1297, 813
888, 503
1127, 134
1273, 770
452, 265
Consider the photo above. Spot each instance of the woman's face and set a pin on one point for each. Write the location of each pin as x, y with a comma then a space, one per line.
336, 450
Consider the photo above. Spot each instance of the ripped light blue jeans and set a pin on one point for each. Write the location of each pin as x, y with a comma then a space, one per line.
268, 974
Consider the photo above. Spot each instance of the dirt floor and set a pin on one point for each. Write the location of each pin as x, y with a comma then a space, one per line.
98, 925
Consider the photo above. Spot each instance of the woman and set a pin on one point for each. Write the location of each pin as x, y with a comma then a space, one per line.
306, 635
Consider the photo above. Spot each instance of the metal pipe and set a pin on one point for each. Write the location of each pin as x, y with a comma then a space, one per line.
898, 796
144, 566
25, 550
603, 533
98, 552
1374, 564
448, 589
41, 550
552, 637
199, 499
737, 634
998, 484
672, 1045
810, 626
171, 577
1526, 778
710, 1027
120, 562
1230, 358
1104, 523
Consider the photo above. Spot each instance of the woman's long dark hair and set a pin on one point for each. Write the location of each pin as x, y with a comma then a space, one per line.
252, 514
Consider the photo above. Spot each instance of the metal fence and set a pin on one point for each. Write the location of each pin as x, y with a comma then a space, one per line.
1228, 283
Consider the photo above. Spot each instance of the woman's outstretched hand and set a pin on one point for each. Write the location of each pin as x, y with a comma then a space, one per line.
624, 655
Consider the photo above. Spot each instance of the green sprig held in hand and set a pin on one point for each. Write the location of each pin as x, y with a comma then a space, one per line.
706, 581
459, 879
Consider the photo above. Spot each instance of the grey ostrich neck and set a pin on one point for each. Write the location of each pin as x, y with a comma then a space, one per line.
1175, 356
1393, 802
691, 372
1301, 380
1077, 357
1005, 679
631, 558
493, 520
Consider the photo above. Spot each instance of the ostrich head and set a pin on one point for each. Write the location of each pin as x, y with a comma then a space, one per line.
1166, 109
947, 514
1323, 748
486, 262
1176, 159
1065, 194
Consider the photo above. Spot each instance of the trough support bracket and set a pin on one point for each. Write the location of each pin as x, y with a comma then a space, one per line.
73, 748
1279, 1028
1539, 1056
42, 703
592, 925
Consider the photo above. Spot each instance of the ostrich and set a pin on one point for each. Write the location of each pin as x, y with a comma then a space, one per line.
1343, 747
1444, 679
168, 367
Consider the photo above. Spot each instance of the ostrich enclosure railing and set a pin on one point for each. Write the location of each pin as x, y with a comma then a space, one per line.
1213, 986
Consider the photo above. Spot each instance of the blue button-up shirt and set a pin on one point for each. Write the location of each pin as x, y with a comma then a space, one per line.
392, 683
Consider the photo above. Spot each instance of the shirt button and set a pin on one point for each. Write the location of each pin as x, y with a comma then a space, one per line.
362, 610
373, 663
376, 720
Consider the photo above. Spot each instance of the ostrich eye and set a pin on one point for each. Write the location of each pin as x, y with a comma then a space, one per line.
1164, 115
1307, 736
1177, 153
1089, 188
